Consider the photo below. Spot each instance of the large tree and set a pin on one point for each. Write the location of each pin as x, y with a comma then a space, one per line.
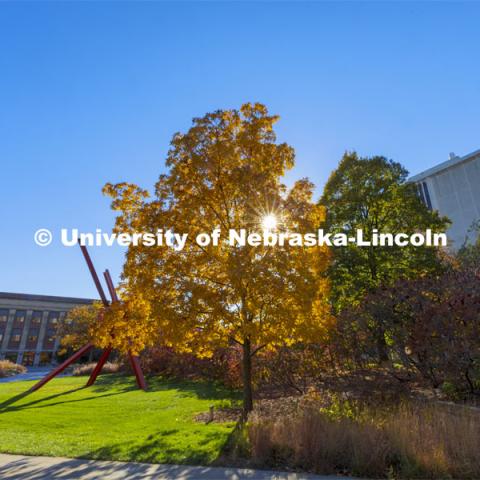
373, 194
225, 172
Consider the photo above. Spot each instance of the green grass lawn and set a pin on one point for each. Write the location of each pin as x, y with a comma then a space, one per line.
113, 420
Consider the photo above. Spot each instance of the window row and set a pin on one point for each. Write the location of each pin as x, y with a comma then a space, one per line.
33, 333
28, 358
21, 315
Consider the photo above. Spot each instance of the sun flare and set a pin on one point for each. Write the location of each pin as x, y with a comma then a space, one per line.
269, 222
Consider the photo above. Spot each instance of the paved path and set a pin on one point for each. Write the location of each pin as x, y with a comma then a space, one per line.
19, 467
33, 373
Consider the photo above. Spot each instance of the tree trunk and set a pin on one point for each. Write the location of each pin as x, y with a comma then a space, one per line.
247, 378
382, 348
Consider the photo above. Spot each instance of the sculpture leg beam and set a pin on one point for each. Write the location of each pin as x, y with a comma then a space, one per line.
62, 367
99, 366
137, 370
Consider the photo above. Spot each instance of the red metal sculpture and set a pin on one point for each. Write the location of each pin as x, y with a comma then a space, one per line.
134, 361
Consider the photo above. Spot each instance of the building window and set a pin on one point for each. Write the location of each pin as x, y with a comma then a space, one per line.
36, 318
3, 316
49, 341
34, 329
428, 202
20, 316
420, 193
17, 329
12, 356
15, 337
3, 322
45, 358
53, 318
50, 334
32, 341
424, 194
28, 359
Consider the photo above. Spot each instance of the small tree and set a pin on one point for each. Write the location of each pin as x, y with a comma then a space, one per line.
469, 253
373, 194
76, 328
125, 326
225, 173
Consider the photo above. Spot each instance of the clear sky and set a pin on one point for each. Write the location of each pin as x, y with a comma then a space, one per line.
92, 92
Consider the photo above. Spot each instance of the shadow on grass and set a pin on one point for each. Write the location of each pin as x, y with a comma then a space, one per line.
201, 389
6, 405
150, 450
112, 385
13, 400
32, 405
162, 447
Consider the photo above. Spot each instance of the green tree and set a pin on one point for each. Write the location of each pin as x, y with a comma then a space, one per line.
373, 194
469, 253
225, 173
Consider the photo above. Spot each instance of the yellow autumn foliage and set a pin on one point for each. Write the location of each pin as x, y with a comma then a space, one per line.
126, 326
225, 173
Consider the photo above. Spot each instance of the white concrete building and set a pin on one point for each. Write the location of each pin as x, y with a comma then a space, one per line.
453, 188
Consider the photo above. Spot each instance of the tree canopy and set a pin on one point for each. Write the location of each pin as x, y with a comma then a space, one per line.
225, 173
373, 193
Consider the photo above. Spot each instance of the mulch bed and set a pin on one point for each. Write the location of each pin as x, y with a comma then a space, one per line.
220, 415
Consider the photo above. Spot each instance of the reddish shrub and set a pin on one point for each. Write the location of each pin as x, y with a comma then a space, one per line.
430, 325
223, 365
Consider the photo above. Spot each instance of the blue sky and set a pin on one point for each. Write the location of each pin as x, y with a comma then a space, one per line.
92, 92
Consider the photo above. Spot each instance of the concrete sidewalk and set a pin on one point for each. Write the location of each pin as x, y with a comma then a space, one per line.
19, 467
32, 373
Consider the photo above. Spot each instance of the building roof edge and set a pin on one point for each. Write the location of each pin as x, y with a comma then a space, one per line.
443, 166
44, 298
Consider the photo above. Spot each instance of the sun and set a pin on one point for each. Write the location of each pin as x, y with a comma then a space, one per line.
269, 222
